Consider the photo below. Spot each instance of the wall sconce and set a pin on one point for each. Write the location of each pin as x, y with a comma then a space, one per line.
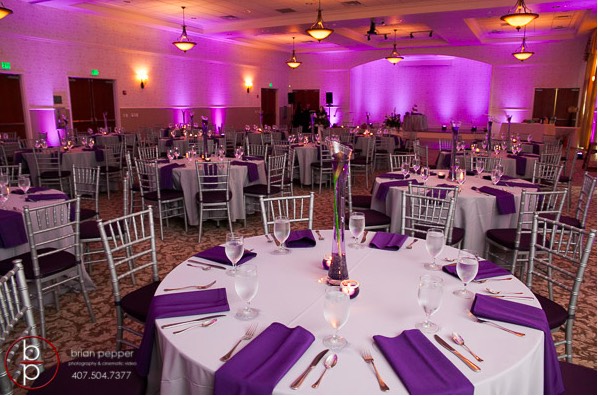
142, 77
248, 85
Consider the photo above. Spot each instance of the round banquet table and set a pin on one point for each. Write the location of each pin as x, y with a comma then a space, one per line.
306, 155
76, 156
290, 293
475, 212
509, 163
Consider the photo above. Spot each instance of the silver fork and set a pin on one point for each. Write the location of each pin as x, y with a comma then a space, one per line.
367, 356
490, 279
518, 334
198, 287
246, 337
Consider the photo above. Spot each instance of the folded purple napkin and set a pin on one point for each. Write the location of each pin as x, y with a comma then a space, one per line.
173, 305
524, 315
218, 255
446, 161
390, 175
163, 161
252, 171
388, 241
257, 368
45, 197
12, 229
98, 152
420, 365
31, 190
18, 157
520, 163
383, 188
166, 180
505, 201
486, 269
300, 239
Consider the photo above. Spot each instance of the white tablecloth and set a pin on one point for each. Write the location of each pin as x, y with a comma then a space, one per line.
289, 293
476, 212
306, 155
75, 156
415, 122
509, 164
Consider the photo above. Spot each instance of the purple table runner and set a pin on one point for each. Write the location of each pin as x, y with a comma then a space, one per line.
166, 179
252, 170
12, 229
505, 201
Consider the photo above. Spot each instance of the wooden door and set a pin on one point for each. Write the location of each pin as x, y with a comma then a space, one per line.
544, 103
269, 106
566, 106
90, 99
12, 118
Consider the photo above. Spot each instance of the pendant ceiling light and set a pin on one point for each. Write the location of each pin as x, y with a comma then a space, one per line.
183, 42
293, 62
519, 15
317, 30
522, 52
4, 12
394, 56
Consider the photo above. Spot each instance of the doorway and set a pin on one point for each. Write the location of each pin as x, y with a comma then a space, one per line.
305, 102
12, 118
559, 103
269, 106
92, 103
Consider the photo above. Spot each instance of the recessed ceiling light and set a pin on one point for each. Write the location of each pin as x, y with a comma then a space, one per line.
351, 3
285, 10
229, 17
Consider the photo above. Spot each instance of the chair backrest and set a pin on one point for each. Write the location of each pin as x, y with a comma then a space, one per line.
113, 155
397, 160
585, 198
10, 137
547, 175
569, 167
276, 168
130, 246
27, 143
13, 172
48, 160
299, 209
445, 144
280, 149
127, 182
553, 158
426, 207
9, 149
489, 162
148, 152
15, 308
147, 175
256, 150
558, 257
266, 138
54, 226
421, 152
212, 178
86, 184
3, 157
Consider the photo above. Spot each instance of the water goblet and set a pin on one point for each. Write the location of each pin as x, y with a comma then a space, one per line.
497, 149
239, 153
429, 297
37, 143
91, 143
282, 229
4, 194
170, 154
233, 248
484, 145
461, 175
405, 169
479, 166
467, 269
177, 153
529, 138
173, 133
416, 164
336, 313
246, 286
3, 179
44, 143
434, 245
221, 153
24, 183
495, 176
425, 173
356, 227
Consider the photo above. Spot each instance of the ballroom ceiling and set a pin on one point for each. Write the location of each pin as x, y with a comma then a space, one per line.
271, 24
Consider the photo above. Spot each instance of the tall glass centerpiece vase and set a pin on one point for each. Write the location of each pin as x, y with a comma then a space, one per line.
489, 135
341, 155
509, 142
455, 125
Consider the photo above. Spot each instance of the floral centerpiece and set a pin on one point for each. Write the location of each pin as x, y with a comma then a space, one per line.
393, 120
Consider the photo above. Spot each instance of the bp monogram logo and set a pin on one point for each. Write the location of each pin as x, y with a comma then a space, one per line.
25, 359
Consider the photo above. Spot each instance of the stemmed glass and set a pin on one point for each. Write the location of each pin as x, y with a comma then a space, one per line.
529, 138
3, 179
495, 176
246, 286
500, 168
467, 269
497, 149
233, 248
434, 245
177, 153
24, 183
416, 164
479, 166
239, 153
336, 313
429, 297
425, 173
170, 155
4, 193
461, 175
282, 229
405, 169
356, 227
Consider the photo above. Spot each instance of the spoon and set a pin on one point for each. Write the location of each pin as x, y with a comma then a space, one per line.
410, 246
198, 287
492, 291
459, 341
329, 363
320, 237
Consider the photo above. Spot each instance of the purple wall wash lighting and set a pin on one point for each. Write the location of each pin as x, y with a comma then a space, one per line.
218, 116
443, 89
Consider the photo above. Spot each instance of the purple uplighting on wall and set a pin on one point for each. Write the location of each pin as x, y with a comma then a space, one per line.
453, 88
217, 116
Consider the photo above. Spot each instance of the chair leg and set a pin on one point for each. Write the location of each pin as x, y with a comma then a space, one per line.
201, 222
40, 302
108, 185
161, 225
230, 223
85, 295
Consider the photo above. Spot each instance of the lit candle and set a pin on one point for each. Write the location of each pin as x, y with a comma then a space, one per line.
326, 262
350, 287
477, 150
441, 175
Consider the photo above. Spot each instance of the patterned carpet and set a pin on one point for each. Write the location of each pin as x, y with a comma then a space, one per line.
71, 331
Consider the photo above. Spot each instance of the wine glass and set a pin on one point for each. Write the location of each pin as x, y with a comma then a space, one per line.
405, 169
177, 153
3, 179
416, 164
479, 166
529, 138
495, 176
24, 183
282, 229
484, 145
91, 142
336, 313
239, 153
429, 297
221, 153
497, 149
434, 245
356, 227
246, 286
233, 248
4, 193
170, 154
425, 173
467, 269
501, 169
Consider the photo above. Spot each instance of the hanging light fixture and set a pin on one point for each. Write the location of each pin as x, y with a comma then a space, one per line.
394, 56
4, 12
519, 15
317, 30
522, 52
183, 42
293, 63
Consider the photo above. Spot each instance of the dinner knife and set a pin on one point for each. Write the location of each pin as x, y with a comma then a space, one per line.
297, 383
468, 362
190, 321
208, 264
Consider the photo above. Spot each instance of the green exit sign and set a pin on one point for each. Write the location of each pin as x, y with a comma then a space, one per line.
270, 85
5, 65
95, 72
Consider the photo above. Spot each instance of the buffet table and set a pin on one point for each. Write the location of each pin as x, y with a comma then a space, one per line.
290, 292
